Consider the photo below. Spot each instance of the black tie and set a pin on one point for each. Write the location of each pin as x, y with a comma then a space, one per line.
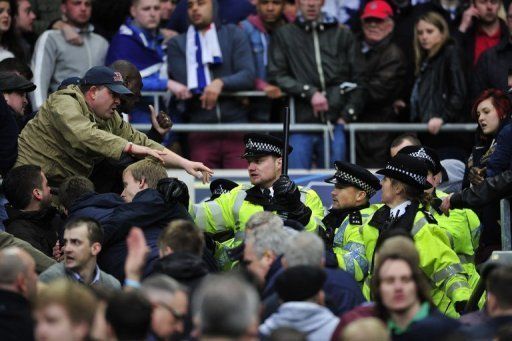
266, 193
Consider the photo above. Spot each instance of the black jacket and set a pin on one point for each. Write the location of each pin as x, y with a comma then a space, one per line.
35, 227
151, 213
384, 66
492, 189
441, 87
492, 69
293, 66
467, 42
16, 322
186, 268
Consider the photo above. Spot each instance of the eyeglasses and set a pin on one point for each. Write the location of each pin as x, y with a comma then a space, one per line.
177, 316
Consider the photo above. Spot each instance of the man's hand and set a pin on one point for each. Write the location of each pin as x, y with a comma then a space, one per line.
143, 151
198, 170
476, 175
138, 251
434, 125
319, 103
71, 35
446, 205
179, 90
168, 34
273, 91
211, 94
398, 106
161, 127
285, 188
467, 18
57, 252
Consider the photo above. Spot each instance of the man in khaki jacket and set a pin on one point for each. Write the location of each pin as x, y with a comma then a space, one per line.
78, 126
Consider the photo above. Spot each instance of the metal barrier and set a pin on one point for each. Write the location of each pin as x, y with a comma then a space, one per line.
352, 128
505, 225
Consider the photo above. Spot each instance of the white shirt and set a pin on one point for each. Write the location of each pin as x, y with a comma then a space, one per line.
399, 210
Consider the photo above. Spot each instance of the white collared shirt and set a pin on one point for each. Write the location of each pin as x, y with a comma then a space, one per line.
399, 210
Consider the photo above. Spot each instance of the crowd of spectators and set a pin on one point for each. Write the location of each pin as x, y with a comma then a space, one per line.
97, 242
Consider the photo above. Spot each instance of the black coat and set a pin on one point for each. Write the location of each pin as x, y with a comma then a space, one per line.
35, 227
384, 66
16, 322
152, 214
442, 87
492, 69
186, 268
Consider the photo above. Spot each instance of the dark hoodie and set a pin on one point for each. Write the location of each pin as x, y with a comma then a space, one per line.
187, 268
151, 213
35, 227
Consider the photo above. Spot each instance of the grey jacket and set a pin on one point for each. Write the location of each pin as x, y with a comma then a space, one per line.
236, 72
43, 262
54, 60
58, 270
315, 321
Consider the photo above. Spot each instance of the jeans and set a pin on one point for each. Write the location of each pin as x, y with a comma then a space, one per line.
3, 213
307, 145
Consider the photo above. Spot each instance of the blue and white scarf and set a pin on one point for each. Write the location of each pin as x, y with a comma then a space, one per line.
202, 50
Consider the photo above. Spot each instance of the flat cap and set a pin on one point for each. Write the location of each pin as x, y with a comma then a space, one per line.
354, 175
11, 81
263, 144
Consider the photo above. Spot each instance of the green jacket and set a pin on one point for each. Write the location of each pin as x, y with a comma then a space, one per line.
66, 138
348, 245
231, 211
43, 262
437, 260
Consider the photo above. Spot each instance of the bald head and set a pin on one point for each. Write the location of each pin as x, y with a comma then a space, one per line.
17, 272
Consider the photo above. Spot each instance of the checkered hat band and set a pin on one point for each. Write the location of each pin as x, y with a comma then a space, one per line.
262, 147
421, 154
356, 181
422, 180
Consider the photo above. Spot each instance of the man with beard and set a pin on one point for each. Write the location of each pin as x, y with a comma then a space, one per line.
30, 214
481, 29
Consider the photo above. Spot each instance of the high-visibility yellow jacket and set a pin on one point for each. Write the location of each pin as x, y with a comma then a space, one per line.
463, 230
232, 210
437, 260
348, 245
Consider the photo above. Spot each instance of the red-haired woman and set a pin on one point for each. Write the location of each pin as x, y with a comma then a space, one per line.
491, 155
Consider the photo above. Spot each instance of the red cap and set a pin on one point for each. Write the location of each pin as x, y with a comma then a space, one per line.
377, 9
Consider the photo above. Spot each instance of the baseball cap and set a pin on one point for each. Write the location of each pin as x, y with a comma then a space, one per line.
102, 75
11, 81
377, 9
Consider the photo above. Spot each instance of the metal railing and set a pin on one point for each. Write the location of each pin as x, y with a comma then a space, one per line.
352, 128
505, 225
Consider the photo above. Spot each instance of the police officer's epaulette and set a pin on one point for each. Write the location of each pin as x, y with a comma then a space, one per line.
430, 218
355, 218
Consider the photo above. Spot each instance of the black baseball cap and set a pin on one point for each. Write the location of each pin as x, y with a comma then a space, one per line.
11, 81
102, 75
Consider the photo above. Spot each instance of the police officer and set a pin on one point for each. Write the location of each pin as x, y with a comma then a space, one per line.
270, 191
405, 179
353, 188
462, 226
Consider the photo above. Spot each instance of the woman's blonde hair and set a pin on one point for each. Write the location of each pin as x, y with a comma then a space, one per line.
438, 21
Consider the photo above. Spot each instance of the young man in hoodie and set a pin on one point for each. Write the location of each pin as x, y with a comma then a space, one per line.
300, 288
258, 29
56, 59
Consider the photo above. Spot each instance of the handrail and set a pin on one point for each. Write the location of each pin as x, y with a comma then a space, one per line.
352, 128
